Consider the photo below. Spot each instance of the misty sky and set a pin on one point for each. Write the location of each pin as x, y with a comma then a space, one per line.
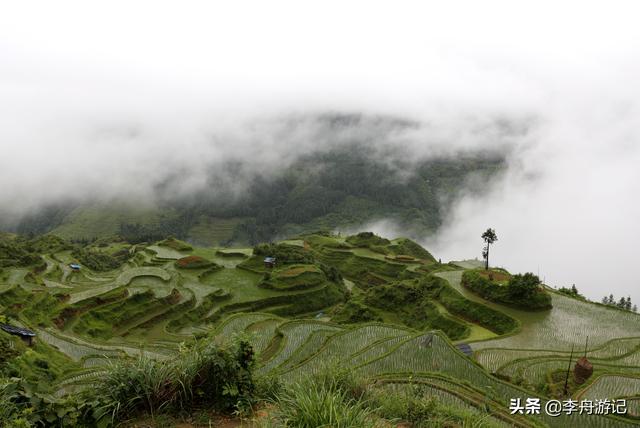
110, 99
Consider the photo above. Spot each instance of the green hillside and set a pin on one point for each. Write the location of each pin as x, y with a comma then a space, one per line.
341, 188
385, 311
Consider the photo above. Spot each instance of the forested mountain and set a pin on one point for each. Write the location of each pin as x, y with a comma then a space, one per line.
340, 188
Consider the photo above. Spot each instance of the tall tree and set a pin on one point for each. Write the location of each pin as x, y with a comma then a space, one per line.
489, 237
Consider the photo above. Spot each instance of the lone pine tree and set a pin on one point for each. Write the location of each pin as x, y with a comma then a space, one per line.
489, 237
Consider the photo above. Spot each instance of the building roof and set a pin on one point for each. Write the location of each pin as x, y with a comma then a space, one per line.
582, 361
19, 331
465, 348
74, 266
269, 259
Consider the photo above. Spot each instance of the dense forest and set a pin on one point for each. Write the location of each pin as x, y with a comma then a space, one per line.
340, 188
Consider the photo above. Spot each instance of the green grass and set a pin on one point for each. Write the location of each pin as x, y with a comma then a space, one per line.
310, 404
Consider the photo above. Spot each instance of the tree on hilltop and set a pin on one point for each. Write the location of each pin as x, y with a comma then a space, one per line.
489, 237
523, 287
623, 303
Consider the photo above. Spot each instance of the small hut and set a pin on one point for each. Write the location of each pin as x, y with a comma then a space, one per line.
25, 334
582, 371
465, 348
270, 262
75, 267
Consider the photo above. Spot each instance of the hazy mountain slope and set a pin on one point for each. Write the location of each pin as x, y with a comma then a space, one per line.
344, 187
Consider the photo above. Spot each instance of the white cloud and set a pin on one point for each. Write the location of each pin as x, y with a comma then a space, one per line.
102, 99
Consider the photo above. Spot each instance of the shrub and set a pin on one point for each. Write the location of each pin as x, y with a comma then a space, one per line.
309, 302
8, 350
332, 273
12, 412
412, 300
230, 254
412, 406
283, 253
407, 247
205, 374
571, 292
355, 311
496, 321
22, 407
522, 291
311, 404
176, 244
17, 252
98, 261
420, 408
367, 239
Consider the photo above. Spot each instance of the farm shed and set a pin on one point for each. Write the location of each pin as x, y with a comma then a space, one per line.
465, 348
269, 262
25, 334
75, 266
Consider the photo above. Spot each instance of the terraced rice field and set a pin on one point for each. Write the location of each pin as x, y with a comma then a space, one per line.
294, 334
200, 291
340, 347
423, 353
126, 276
568, 324
633, 407
398, 359
445, 393
168, 253
140, 284
556, 331
310, 347
495, 358
75, 349
404, 361
611, 386
237, 323
88, 293
376, 350
534, 371
261, 332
